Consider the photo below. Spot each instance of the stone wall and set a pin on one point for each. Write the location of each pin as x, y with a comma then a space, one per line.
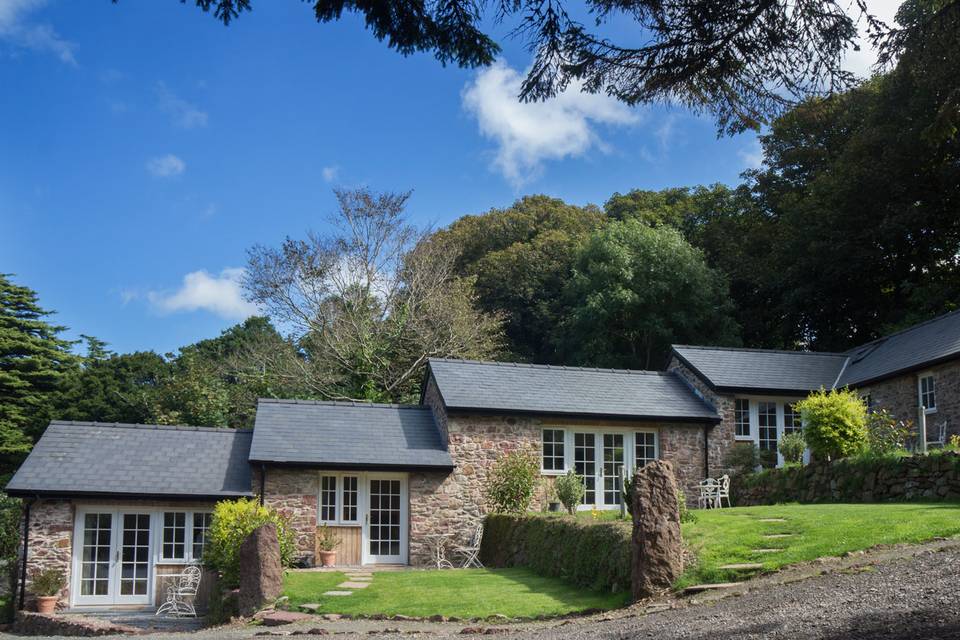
930, 477
723, 436
900, 396
294, 494
50, 543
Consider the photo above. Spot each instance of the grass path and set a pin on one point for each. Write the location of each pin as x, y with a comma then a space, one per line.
461, 593
780, 535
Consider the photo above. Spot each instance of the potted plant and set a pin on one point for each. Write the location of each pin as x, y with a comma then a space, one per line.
46, 586
327, 543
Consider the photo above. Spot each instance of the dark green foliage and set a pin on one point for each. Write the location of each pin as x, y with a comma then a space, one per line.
742, 61
635, 291
47, 582
33, 360
570, 489
743, 458
512, 482
11, 510
886, 434
520, 258
791, 447
593, 555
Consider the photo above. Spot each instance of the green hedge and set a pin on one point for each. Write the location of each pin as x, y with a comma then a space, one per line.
595, 555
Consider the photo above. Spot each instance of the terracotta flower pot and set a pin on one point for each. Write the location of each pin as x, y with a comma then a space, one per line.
47, 604
328, 558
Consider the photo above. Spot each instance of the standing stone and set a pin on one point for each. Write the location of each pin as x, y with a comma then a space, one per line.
261, 576
657, 546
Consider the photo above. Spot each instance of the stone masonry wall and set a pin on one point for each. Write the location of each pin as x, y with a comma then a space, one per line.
900, 396
294, 494
723, 436
50, 544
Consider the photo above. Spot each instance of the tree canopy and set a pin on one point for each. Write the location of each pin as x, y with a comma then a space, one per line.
742, 61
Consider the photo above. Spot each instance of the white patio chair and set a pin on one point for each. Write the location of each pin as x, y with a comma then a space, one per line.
471, 552
723, 491
708, 493
941, 439
181, 596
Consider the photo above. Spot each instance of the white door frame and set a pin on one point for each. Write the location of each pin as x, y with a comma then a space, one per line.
366, 557
113, 596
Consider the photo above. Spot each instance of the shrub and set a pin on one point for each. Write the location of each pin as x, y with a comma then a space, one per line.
570, 489
47, 582
743, 458
885, 433
513, 481
834, 423
954, 444
594, 555
792, 446
327, 540
685, 514
233, 521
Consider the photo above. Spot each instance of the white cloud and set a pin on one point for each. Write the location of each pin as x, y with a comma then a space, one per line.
183, 113
166, 166
330, 173
528, 134
200, 291
752, 155
17, 29
861, 62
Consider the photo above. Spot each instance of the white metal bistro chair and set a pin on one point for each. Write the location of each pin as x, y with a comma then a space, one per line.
723, 491
709, 490
941, 439
182, 594
471, 552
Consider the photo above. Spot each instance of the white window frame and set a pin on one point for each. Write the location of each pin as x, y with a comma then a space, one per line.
781, 402
339, 520
565, 458
747, 437
932, 391
188, 526
629, 454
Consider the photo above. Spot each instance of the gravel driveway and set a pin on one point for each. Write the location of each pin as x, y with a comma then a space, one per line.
910, 593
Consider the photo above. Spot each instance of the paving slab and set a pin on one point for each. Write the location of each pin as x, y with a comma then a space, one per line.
766, 550
353, 585
742, 565
779, 535
359, 578
338, 593
310, 607
365, 574
278, 618
772, 520
697, 588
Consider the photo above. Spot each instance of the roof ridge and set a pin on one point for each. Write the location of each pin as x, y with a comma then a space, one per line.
753, 350
159, 427
341, 403
561, 367
886, 337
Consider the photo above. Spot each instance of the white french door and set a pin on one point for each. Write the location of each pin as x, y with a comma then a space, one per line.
112, 558
385, 524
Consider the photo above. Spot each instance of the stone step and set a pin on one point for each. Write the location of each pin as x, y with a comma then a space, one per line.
738, 566
310, 607
353, 585
697, 588
779, 535
766, 550
338, 593
359, 578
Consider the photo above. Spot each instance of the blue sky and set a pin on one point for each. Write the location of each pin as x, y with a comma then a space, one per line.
144, 147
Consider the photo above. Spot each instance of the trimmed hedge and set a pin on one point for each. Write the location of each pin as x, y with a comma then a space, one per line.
595, 555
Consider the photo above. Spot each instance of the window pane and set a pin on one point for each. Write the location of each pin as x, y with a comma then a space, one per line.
201, 527
585, 464
928, 397
553, 449
741, 416
174, 535
612, 465
350, 493
767, 427
791, 419
328, 498
646, 447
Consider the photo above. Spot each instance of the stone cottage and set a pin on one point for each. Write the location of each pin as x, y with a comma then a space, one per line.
117, 507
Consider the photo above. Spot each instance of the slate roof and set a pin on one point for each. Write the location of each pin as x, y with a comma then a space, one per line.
743, 370
91, 458
526, 388
347, 435
919, 346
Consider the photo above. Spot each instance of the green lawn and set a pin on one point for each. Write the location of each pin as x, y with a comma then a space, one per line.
461, 593
728, 536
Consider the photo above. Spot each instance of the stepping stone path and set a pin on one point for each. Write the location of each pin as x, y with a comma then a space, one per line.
742, 566
310, 607
766, 550
772, 520
779, 535
355, 580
